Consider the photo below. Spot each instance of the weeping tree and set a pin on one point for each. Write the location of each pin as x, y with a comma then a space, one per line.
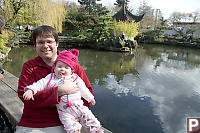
12, 9
29, 12
37, 12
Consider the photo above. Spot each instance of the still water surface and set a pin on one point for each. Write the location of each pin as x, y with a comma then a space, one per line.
152, 91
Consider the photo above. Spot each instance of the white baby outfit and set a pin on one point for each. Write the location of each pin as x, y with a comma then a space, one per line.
67, 113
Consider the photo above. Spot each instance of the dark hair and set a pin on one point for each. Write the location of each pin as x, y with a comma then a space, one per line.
44, 31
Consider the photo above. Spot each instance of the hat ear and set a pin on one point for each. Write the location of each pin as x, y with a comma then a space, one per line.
74, 52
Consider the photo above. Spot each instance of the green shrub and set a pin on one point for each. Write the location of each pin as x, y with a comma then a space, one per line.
81, 37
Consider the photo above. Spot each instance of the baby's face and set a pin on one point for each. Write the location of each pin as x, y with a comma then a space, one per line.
61, 69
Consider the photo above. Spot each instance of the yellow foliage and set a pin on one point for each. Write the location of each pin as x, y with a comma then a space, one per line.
129, 28
50, 13
3, 41
53, 13
36, 13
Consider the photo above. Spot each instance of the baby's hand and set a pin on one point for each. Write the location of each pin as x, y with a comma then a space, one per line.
93, 102
28, 95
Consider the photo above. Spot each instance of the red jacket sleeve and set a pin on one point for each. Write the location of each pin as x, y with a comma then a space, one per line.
31, 73
81, 73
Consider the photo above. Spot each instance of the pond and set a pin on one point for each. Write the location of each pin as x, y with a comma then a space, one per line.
151, 91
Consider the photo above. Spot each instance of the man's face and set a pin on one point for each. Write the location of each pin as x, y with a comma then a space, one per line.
46, 47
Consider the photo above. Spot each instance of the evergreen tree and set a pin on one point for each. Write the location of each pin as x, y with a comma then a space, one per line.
103, 28
77, 20
90, 5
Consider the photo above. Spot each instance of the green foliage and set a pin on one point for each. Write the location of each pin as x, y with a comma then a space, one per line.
81, 37
77, 20
129, 28
154, 33
16, 36
103, 28
90, 5
95, 26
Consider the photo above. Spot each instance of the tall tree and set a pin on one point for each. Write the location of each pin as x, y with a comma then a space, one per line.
37, 12
103, 27
77, 19
90, 5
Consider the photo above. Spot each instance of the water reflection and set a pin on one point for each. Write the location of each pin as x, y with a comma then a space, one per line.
18, 56
114, 79
127, 113
100, 65
183, 58
151, 91
172, 84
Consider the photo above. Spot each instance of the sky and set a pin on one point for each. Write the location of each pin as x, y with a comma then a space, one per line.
167, 7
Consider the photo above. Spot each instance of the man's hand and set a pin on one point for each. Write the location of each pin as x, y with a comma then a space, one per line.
68, 87
28, 95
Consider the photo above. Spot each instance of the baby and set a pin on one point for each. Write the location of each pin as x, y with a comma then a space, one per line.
71, 106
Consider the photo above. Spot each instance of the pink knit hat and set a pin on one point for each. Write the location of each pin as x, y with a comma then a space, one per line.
68, 57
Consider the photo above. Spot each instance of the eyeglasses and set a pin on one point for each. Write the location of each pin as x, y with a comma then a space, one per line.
49, 42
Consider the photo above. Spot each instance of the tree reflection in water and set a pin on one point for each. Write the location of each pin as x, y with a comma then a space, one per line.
103, 64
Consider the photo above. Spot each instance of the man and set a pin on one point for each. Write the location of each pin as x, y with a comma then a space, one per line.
2, 24
40, 115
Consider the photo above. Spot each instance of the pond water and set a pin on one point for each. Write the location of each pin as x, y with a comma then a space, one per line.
151, 91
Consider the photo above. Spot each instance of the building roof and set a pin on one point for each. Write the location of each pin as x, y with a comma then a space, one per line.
124, 14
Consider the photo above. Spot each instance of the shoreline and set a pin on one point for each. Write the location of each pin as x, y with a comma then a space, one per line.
172, 43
